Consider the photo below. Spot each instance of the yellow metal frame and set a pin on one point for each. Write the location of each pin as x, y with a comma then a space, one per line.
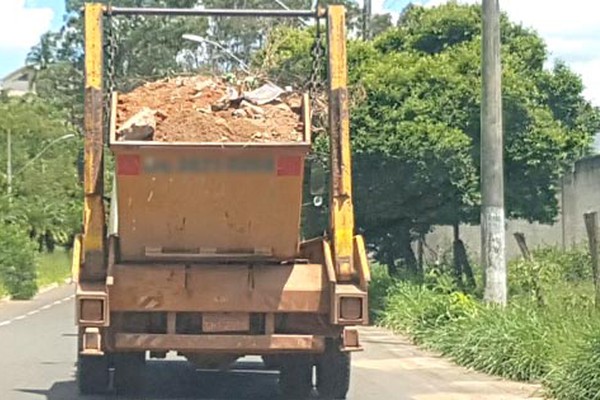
94, 226
341, 208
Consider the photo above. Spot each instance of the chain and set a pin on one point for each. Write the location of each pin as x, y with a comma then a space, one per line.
315, 83
317, 51
111, 55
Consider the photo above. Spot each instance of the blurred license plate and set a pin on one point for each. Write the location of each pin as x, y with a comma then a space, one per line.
225, 322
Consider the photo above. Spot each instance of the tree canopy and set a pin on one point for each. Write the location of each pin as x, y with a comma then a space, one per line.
415, 102
415, 121
46, 197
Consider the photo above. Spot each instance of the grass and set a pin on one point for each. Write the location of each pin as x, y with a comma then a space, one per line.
54, 267
556, 343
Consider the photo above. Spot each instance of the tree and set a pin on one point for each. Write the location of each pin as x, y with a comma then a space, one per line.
380, 23
136, 49
415, 104
416, 123
45, 199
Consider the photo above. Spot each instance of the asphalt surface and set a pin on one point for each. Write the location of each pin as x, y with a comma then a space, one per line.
38, 352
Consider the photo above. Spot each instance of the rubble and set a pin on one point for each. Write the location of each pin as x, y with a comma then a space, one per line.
208, 109
139, 127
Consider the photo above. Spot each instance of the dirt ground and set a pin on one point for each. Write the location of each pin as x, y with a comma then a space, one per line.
200, 109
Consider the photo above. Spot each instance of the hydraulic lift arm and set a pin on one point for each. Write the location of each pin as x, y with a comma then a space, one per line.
341, 207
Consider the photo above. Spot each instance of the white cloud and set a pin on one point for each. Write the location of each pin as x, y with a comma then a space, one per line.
570, 29
21, 27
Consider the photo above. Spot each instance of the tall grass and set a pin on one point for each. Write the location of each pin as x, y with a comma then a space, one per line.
556, 342
54, 267
578, 377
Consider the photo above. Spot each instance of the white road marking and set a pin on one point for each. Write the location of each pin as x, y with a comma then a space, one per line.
37, 310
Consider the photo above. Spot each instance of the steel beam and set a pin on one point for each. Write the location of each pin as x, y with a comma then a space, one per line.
341, 208
93, 261
211, 12
253, 344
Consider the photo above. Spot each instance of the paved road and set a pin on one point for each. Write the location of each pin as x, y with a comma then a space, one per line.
37, 357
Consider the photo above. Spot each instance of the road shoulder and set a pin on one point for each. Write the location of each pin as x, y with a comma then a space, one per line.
422, 375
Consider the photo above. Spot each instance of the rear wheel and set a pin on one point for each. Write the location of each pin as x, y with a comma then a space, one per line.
92, 374
295, 378
333, 372
129, 372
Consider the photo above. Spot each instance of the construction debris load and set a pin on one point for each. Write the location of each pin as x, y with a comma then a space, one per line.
208, 109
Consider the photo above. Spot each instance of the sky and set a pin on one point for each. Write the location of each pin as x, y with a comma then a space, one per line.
22, 22
571, 29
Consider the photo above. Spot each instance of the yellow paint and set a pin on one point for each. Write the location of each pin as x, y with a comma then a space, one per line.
76, 263
93, 45
91, 157
361, 261
93, 238
337, 46
93, 215
342, 212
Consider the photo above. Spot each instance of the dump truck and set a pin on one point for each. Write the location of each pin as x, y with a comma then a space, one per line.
200, 252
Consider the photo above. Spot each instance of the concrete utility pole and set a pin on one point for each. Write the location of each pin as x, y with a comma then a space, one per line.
367, 12
492, 169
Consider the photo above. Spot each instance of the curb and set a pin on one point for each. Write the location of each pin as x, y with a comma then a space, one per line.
43, 289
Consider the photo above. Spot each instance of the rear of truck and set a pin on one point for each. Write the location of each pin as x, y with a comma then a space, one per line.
201, 253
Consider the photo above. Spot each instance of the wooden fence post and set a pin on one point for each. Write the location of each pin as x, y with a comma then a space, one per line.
534, 269
520, 237
591, 225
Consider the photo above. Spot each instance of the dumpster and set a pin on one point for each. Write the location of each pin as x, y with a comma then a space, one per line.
209, 200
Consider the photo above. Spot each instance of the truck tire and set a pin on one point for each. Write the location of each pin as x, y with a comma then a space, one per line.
129, 372
92, 374
333, 372
295, 379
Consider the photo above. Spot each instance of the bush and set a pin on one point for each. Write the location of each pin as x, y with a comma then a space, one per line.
554, 341
550, 266
521, 342
17, 262
381, 282
419, 311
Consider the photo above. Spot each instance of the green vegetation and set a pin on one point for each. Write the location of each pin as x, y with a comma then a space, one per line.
54, 267
41, 208
23, 269
415, 118
18, 261
556, 343
45, 197
415, 98
51, 268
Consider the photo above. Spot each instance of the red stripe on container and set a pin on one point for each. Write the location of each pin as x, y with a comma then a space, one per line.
289, 166
128, 164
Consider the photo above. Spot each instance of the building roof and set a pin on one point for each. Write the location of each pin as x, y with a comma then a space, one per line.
18, 82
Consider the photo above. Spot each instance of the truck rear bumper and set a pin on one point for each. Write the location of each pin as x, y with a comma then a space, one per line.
218, 288
242, 344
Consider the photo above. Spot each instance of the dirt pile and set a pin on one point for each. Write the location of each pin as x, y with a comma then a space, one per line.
207, 109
